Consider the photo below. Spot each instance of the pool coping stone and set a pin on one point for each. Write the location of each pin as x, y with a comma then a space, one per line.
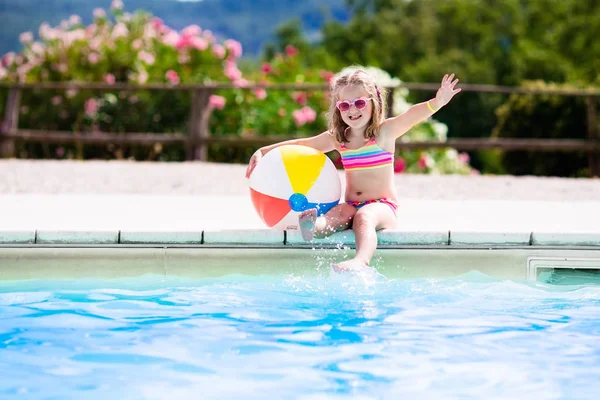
258, 237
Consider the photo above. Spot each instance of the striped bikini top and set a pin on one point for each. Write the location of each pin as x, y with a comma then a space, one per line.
370, 156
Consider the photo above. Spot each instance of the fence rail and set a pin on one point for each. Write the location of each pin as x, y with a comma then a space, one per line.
141, 138
198, 137
466, 87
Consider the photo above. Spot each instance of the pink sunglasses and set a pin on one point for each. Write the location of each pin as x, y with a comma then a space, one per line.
359, 103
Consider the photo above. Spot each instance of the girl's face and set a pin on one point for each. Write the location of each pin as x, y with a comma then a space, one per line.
355, 117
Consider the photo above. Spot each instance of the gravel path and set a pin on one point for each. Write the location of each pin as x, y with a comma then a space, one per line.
198, 178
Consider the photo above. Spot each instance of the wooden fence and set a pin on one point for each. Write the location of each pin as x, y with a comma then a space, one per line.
198, 137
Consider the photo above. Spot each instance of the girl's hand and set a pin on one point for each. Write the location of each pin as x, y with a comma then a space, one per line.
253, 161
446, 92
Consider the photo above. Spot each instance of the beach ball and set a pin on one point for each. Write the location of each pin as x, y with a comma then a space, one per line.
290, 179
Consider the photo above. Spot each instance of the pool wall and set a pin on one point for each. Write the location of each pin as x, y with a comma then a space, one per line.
45, 254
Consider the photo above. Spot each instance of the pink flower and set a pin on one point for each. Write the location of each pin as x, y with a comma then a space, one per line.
234, 47
199, 43
94, 58
326, 75
8, 59
260, 93
95, 43
46, 32
158, 23
90, 31
60, 151
26, 37
116, 5
298, 116
300, 98
109, 78
146, 57
309, 114
241, 83
71, 37
120, 30
38, 49
216, 102
173, 77
99, 13
142, 77
192, 30
74, 20
207, 34
136, 44
183, 42
56, 100
171, 38
399, 165
218, 50
464, 158
425, 161
291, 50
232, 71
266, 68
91, 107
304, 116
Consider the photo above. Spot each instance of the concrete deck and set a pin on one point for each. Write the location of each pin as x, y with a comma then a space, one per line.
196, 220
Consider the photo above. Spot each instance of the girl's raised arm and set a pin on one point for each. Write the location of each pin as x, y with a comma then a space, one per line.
399, 125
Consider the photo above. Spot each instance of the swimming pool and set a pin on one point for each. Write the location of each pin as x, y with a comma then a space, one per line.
297, 335
178, 322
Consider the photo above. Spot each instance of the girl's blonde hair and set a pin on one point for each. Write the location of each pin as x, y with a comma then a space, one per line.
349, 77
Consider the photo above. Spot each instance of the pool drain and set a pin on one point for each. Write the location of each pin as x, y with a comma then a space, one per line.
558, 269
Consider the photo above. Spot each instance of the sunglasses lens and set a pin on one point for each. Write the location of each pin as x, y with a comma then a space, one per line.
344, 106
360, 104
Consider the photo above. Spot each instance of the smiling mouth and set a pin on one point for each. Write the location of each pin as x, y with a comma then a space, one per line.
354, 118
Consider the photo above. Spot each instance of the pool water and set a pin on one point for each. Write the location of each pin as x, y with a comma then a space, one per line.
300, 337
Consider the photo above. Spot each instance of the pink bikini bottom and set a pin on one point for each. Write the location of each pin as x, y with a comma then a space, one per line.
358, 204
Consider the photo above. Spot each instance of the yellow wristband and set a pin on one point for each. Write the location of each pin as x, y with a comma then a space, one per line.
429, 106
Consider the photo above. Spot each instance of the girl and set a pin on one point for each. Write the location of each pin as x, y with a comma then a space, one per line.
366, 141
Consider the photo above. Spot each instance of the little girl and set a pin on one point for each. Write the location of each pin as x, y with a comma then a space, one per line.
366, 141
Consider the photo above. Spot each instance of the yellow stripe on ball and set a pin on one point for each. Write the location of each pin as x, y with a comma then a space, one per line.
303, 166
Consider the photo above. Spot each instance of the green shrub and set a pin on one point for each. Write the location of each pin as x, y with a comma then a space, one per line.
545, 117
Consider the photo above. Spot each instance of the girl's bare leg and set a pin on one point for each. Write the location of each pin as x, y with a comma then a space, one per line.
367, 221
336, 219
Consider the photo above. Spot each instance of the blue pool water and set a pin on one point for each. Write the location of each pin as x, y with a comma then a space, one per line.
257, 337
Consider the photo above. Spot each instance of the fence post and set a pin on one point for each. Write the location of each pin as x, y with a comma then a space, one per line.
199, 121
11, 122
593, 134
390, 103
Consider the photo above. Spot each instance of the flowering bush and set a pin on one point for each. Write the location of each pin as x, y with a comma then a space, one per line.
128, 48
141, 49
271, 112
262, 112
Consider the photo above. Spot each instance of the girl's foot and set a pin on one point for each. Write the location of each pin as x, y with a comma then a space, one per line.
307, 221
350, 265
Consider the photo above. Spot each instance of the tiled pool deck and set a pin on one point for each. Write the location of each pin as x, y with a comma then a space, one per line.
128, 220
